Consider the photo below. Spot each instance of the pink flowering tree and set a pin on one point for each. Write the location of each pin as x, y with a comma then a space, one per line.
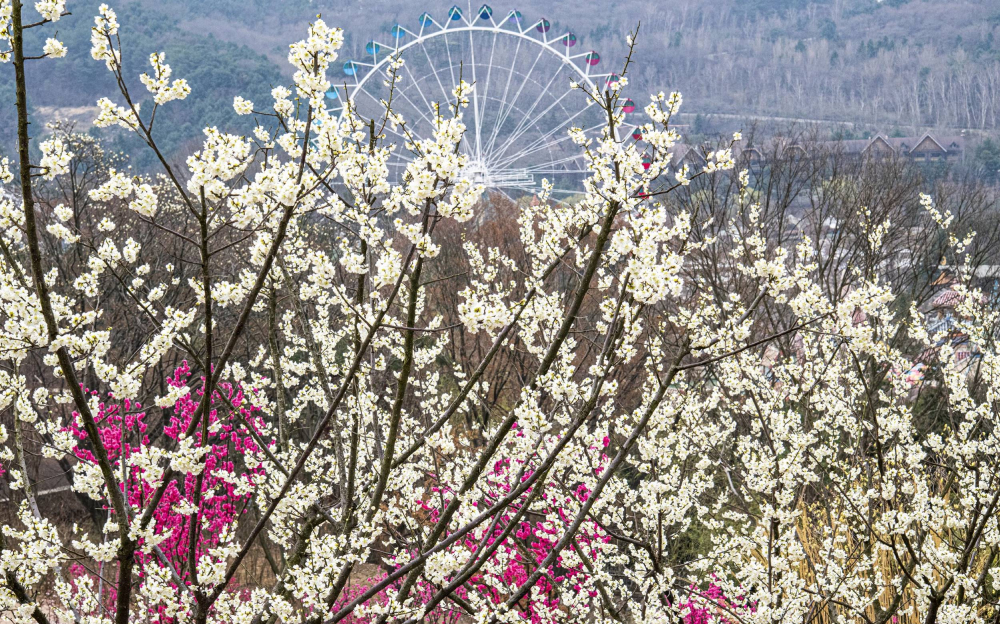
193, 514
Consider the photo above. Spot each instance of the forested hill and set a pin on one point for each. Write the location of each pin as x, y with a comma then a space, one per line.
893, 65
217, 69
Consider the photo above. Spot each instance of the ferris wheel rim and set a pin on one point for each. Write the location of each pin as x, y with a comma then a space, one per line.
469, 26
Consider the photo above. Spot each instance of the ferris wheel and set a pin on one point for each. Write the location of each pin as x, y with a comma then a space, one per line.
522, 104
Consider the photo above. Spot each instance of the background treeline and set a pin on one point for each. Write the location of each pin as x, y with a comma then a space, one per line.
855, 66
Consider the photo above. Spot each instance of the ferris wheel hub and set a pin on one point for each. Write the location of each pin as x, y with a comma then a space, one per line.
477, 172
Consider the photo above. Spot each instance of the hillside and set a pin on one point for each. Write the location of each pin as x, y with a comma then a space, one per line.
898, 65
926, 63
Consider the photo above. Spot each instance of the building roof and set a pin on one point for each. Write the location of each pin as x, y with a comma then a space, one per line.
913, 145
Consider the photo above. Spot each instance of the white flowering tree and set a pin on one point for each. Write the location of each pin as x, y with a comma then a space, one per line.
285, 389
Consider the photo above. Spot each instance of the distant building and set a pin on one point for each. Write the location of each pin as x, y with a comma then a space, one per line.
923, 148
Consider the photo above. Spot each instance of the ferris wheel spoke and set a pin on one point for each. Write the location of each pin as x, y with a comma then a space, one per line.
506, 90
563, 139
451, 66
475, 98
428, 107
513, 102
541, 141
527, 121
575, 172
557, 172
489, 74
402, 93
568, 159
437, 77
553, 168
527, 152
